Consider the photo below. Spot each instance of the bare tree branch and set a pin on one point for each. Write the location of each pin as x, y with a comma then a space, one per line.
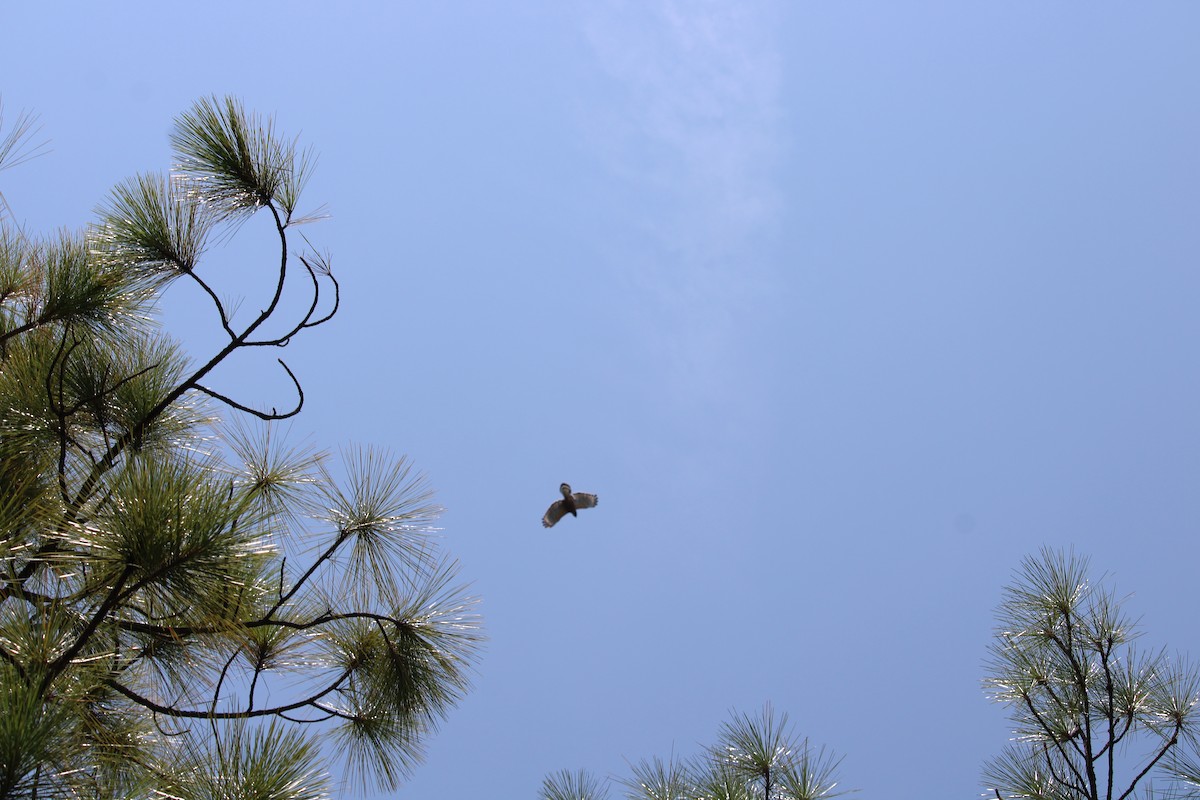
273, 415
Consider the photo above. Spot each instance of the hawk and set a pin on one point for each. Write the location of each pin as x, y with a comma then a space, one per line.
559, 508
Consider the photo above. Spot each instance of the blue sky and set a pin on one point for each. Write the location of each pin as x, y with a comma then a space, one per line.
841, 308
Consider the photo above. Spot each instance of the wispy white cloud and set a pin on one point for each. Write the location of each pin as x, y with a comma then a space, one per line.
698, 119
691, 124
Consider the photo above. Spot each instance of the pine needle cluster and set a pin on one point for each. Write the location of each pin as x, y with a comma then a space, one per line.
756, 757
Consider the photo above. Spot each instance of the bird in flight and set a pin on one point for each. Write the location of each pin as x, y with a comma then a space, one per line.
560, 508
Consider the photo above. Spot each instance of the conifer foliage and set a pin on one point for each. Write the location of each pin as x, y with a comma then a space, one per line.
756, 757
189, 607
1095, 717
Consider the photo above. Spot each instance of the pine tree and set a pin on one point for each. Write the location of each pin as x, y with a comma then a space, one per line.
189, 606
1094, 716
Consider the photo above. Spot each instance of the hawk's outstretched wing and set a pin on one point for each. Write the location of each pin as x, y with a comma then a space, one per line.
585, 500
554, 513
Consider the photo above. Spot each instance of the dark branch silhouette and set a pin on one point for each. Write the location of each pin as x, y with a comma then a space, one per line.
273, 415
